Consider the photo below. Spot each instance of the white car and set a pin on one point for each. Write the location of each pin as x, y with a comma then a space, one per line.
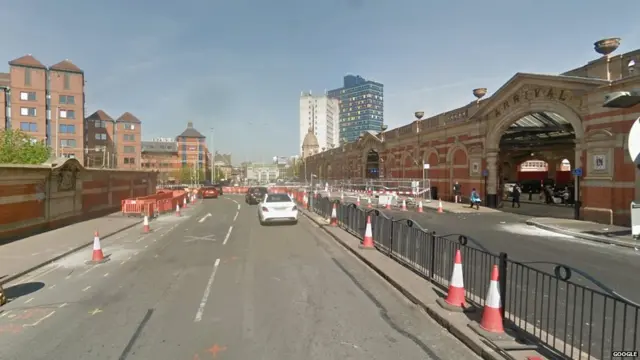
277, 208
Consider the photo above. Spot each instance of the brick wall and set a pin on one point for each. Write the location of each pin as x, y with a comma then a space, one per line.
38, 198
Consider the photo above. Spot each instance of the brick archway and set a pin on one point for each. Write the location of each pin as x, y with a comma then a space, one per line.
498, 126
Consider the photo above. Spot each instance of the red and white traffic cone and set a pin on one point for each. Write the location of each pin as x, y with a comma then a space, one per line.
440, 210
341, 197
455, 299
388, 205
184, 202
404, 205
334, 216
367, 240
358, 201
492, 313
369, 203
420, 206
98, 256
177, 209
145, 224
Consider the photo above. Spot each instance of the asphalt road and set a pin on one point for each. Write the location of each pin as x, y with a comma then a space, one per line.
217, 287
609, 269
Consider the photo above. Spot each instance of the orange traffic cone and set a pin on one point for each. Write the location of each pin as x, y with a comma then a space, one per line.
145, 224
455, 297
420, 206
367, 240
97, 256
184, 202
334, 216
404, 205
388, 205
440, 210
177, 209
492, 314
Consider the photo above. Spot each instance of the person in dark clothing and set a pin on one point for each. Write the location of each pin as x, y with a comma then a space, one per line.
515, 195
457, 192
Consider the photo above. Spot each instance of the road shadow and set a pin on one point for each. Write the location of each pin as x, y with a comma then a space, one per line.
15, 291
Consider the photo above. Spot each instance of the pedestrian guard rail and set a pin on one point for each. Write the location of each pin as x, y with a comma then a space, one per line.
163, 201
539, 301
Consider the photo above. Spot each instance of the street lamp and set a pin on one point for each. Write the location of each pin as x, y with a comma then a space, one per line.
213, 160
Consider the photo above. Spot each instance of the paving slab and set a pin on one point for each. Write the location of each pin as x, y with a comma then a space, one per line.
25, 255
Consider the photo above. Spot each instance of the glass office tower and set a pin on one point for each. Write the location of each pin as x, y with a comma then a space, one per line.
361, 107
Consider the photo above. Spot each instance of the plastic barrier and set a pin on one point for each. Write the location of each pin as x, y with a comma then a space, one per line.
132, 207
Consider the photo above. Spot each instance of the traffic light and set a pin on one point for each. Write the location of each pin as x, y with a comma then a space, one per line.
622, 99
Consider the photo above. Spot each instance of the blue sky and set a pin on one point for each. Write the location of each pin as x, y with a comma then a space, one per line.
239, 66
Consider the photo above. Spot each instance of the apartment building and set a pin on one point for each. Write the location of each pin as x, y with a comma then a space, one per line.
113, 143
162, 155
320, 115
192, 149
45, 102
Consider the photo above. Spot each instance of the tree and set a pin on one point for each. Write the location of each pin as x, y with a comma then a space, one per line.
16, 147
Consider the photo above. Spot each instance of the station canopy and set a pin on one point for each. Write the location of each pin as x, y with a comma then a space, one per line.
538, 130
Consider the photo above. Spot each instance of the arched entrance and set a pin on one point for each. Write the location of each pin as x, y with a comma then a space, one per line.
372, 165
544, 130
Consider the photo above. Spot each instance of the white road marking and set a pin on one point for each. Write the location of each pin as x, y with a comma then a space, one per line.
51, 287
89, 269
106, 274
235, 217
41, 319
87, 288
33, 277
226, 238
62, 305
207, 291
204, 218
28, 301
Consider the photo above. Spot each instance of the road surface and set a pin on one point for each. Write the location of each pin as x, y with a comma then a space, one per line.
217, 287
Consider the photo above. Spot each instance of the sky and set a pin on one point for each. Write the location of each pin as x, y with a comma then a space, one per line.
238, 67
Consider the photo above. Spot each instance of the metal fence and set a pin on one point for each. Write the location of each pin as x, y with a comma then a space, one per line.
571, 320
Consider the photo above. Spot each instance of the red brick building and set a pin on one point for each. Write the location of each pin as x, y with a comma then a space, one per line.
113, 143
531, 117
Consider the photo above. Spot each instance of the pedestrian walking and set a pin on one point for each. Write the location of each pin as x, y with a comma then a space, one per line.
475, 199
515, 195
457, 192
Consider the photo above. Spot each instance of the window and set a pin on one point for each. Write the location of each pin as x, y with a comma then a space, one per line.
28, 95
68, 143
129, 137
67, 129
27, 77
24, 111
67, 81
130, 161
67, 114
28, 127
101, 136
100, 124
67, 99
128, 126
129, 149
69, 156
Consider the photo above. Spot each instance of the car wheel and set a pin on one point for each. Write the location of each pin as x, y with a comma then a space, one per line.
295, 222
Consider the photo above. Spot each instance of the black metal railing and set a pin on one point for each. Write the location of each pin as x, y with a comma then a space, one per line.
572, 320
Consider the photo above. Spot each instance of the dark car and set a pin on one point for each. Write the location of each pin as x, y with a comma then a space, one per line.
255, 195
209, 192
219, 187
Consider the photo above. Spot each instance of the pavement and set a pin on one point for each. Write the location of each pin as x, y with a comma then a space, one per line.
596, 265
214, 284
28, 254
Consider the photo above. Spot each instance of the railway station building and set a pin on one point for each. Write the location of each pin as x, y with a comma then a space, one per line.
557, 119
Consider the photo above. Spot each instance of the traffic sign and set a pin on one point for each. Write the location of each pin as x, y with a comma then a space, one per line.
577, 172
634, 142
485, 172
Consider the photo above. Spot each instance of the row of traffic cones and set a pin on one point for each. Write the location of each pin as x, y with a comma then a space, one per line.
492, 321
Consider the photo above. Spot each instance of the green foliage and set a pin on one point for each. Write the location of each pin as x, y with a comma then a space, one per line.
16, 147
185, 175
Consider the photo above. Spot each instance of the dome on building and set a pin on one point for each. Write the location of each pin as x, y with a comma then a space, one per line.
310, 140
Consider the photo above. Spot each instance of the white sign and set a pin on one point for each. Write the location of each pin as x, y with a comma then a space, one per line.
426, 166
634, 142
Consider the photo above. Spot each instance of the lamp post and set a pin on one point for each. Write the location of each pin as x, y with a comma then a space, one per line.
213, 160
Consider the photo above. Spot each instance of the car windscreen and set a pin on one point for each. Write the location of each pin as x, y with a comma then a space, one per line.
275, 198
